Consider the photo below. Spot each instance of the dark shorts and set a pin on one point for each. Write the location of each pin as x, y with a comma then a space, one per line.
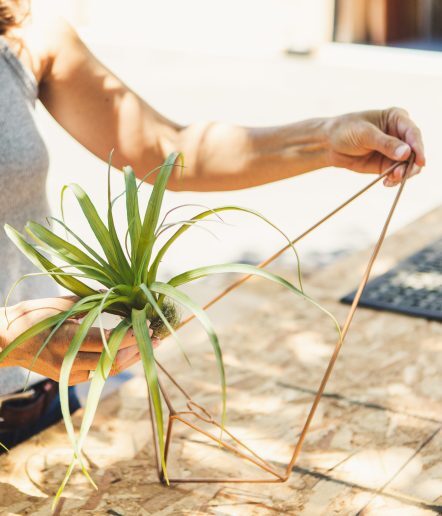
50, 416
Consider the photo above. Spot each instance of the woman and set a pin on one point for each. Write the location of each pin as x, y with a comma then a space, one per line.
44, 58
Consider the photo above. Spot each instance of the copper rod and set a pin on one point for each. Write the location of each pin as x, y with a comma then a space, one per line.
172, 379
229, 447
155, 440
203, 480
348, 320
166, 397
272, 258
238, 441
256, 459
172, 412
168, 438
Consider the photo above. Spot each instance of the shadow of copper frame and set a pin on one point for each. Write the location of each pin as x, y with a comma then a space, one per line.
196, 410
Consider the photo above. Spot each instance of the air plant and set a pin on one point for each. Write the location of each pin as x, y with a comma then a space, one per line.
126, 269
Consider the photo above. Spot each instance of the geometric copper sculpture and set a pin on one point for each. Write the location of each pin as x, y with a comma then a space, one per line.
200, 413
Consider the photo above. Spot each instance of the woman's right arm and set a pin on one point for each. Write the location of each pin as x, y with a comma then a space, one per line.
24, 315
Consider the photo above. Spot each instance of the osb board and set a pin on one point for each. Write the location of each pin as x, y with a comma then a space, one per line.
374, 446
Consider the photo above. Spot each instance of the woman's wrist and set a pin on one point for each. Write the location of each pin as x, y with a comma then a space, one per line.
328, 128
306, 145
290, 150
318, 135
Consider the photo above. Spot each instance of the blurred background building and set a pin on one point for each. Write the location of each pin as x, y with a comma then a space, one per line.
403, 23
267, 62
260, 23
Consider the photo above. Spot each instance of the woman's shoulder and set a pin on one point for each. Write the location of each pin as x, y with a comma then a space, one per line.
40, 38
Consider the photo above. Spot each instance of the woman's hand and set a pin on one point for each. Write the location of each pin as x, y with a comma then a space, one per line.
372, 141
28, 313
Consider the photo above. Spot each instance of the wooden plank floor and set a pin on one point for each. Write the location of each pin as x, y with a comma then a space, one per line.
374, 446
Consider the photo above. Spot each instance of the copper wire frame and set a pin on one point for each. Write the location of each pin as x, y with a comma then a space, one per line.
194, 409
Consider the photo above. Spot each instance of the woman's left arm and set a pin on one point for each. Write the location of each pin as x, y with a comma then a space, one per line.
102, 113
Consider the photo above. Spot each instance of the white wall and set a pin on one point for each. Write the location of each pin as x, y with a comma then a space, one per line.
224, 27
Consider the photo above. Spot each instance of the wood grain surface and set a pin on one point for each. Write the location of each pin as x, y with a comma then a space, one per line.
374, 446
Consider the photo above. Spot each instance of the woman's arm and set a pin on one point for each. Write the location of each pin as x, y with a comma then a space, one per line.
24, 315
102, 113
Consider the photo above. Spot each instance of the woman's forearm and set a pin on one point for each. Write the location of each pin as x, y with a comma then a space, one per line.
226, 157
102, 113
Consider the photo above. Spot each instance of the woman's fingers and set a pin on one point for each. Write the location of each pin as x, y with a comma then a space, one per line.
84, 376
94, 342
87, 360
42, 308
78, 377
408, 131
374, 139
396, 176
129, 339
91, 350
118, 368
124, 356
393, 150
27, 313
128, 357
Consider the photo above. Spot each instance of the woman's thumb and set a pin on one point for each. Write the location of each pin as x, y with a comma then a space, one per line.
389, 146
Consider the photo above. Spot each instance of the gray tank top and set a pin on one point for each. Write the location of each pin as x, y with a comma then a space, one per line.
23, 169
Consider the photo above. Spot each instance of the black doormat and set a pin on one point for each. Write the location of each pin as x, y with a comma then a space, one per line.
413, 287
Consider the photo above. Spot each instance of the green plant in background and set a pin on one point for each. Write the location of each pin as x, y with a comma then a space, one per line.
131, 290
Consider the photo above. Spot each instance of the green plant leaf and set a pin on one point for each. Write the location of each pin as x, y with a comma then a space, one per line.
243, 268
77, 308
100, 230
132, 211
33, 275
68, 362
166, 323
154, 268
60, 248
184, 300
95, 390
147, 237
72, 284
142, 180
31, 332
83, 243
62, 485
66, 251
104, 300
139, 322
121, 258
188, 205
188, 222
130, 279
65, 373
98, 380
